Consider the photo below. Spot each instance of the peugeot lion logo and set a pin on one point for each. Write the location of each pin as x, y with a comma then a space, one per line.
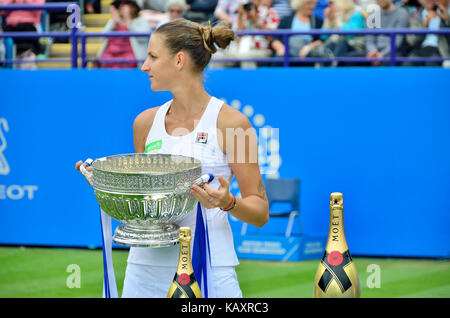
13, 191
4, 167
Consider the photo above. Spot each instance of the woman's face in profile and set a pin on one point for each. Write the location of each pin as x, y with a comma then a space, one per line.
159, 64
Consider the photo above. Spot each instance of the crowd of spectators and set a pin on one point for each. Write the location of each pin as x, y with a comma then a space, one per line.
254, 15
251, 15
22, 21
124, 17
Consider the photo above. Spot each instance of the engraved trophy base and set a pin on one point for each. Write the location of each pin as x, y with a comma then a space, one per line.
162, 236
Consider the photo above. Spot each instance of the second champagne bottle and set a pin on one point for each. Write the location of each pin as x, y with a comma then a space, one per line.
184, 284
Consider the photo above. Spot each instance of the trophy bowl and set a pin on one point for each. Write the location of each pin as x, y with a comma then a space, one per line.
148, 193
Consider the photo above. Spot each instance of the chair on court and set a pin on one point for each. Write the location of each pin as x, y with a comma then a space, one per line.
282, 191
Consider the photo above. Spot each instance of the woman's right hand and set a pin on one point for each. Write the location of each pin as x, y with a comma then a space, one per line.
114, 15
88, 168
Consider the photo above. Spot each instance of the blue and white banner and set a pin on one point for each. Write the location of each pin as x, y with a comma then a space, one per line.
381, 136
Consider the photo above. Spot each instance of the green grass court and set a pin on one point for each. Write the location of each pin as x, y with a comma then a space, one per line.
42, 272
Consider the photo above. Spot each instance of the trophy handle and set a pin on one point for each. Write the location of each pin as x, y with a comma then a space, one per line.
84, 172
206, 178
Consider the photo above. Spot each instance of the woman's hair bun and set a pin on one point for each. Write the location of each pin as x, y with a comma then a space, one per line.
219, 34
199, 40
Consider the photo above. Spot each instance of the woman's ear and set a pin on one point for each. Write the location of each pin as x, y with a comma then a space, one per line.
180, 60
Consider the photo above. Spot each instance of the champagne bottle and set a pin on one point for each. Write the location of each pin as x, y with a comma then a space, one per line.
184, 284
336, 276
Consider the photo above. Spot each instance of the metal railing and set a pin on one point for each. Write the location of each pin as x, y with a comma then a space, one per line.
62, 6
285, 60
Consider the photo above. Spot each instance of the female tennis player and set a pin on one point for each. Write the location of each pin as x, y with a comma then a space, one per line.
199, 125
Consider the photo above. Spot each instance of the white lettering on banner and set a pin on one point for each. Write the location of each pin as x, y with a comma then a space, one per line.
313, 248
4, 167
17, 192
261, 247
14, 191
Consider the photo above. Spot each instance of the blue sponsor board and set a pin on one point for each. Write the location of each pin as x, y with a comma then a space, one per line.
359, 131
279, 248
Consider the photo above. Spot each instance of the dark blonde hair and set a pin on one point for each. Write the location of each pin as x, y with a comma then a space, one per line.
195, 39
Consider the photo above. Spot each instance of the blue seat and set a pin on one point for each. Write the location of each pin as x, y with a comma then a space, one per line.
283, 191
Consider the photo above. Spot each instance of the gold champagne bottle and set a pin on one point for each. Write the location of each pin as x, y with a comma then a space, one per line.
336, 276
184, 284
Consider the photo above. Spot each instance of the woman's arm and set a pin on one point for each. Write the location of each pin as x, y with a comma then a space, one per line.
238, 140
141, 128
240, 143
221, 11
139, 24
109, 26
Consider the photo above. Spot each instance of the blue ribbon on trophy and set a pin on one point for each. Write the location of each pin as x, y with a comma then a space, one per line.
201, 259
109, 278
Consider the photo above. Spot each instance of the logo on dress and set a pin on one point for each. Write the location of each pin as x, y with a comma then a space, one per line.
202, 137
153, 146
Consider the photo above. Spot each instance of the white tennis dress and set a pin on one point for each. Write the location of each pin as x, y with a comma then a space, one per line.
150, 271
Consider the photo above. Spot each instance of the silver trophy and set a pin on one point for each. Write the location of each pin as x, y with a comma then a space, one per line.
148, 193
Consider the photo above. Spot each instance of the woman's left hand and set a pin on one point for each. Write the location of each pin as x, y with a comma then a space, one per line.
211, 198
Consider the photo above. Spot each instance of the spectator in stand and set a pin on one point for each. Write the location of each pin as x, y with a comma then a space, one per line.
227, 12
444, 40
176, 10
24, 21
155, 12
342, 15
302, 19
320, 8
264, 18
362, 5
201, 11
155, 5
124, 17
282, 7
379, 46
434, 16
412, 41
89, 6
252, 15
